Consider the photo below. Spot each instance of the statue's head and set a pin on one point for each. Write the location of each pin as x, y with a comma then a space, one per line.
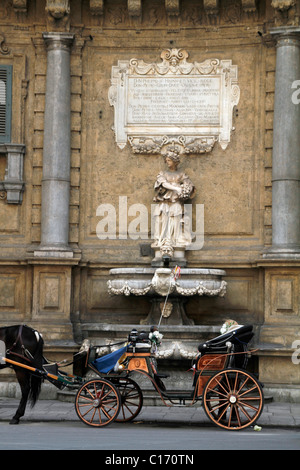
173, 155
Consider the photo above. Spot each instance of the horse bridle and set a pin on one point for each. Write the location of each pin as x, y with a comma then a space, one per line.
27, 356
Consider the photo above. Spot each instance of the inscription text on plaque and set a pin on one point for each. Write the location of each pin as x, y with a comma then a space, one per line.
174, 100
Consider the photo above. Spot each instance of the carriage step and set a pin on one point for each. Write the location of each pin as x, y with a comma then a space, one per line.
162, 376
177, 395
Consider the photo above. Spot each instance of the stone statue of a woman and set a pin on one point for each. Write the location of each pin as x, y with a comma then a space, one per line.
173, 189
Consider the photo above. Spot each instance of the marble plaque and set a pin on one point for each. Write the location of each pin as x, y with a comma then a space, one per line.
174, 101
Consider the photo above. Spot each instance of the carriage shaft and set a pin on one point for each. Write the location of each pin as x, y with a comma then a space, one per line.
33, 369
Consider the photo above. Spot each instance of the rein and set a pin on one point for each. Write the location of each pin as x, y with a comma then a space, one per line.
19, 337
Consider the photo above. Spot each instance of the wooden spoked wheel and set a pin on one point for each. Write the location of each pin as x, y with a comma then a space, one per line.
233, 399
131, 399
97, 403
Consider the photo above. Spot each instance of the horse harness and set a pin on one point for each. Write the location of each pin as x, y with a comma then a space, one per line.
26, 355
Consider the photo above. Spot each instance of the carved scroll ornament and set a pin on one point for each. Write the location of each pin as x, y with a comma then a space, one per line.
3, 47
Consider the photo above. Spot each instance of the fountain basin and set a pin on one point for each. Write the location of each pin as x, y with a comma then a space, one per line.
167, 294
151, 281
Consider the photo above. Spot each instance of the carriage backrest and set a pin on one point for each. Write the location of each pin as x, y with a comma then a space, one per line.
238, 336
2, 352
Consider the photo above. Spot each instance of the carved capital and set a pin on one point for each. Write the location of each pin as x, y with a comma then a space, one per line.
62, 41
283, 5
134, 8
286, 36
249, 6
20, 6
97, 7
172, 7
58, 8
211, 6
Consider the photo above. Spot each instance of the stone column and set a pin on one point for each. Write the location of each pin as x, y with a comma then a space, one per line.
286, 148
57, 148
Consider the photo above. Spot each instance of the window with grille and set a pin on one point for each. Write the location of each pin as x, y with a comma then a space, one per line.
5, 102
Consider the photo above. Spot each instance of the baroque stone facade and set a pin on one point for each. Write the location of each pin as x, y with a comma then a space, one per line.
61, 162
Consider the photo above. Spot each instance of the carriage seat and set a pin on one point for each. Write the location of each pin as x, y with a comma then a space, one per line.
241, 335
139, 348
138, 342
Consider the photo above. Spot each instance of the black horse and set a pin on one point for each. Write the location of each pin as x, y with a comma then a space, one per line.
24, 345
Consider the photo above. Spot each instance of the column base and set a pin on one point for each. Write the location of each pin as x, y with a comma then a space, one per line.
284, 252
54, 252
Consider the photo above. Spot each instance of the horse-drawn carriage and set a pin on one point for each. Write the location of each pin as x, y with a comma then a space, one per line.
231, 396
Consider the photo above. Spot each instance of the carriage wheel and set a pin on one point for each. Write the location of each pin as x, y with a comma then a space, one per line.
131, 399
233, 399
97, 403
